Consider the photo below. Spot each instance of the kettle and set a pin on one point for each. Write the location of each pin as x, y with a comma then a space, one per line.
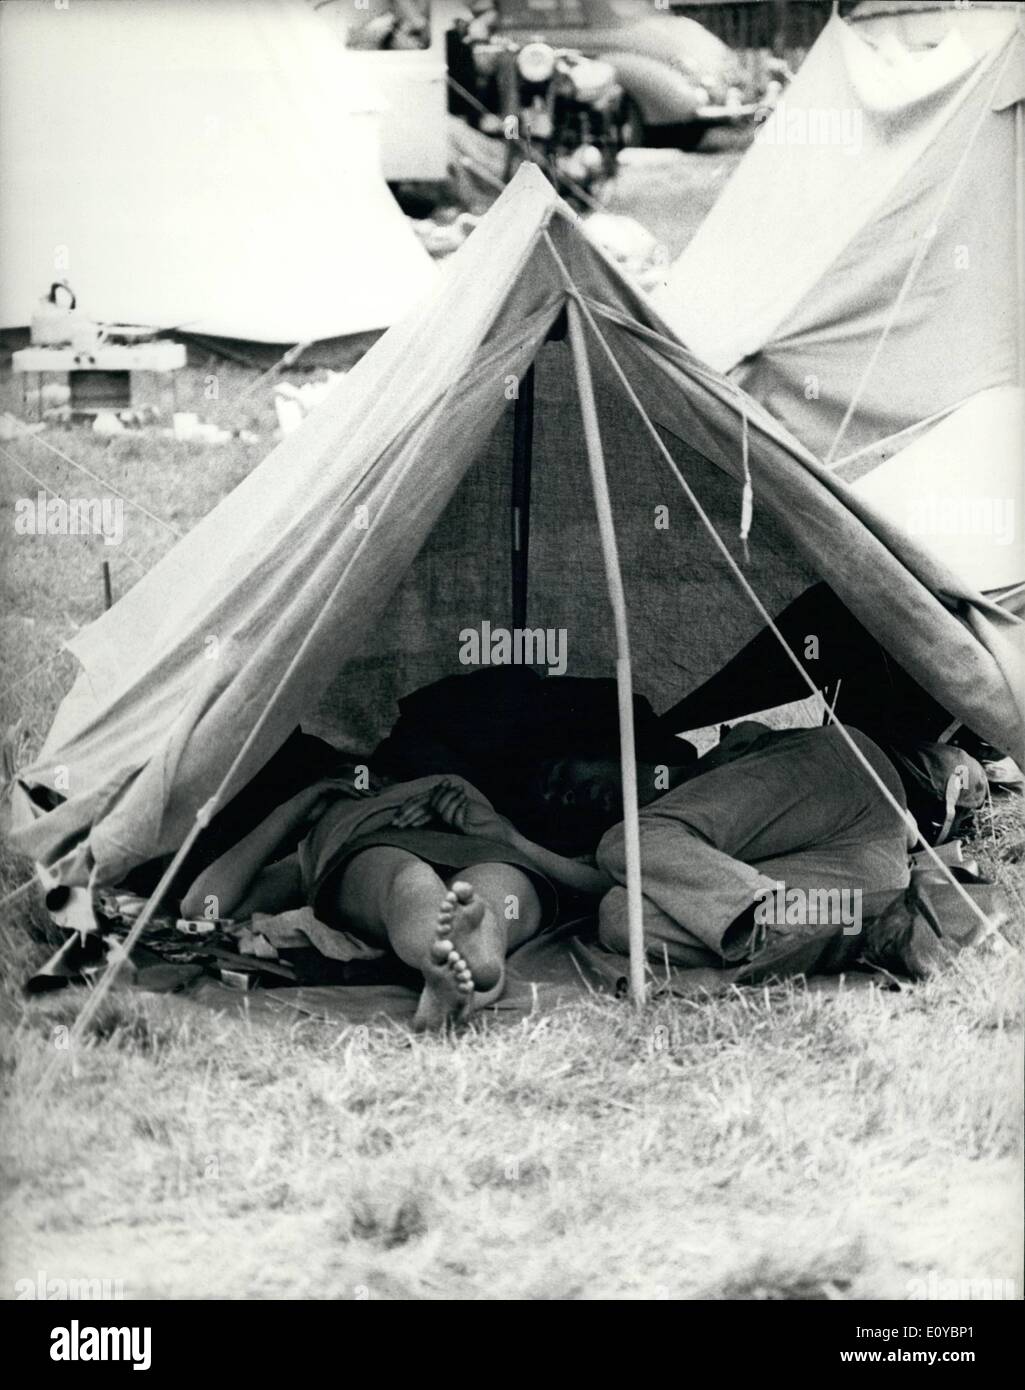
53, 321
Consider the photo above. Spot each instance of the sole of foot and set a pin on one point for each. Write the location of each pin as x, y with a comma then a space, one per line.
466, 970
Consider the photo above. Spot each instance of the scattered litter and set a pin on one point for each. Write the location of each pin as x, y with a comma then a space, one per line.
189, 427
244, 980
197, 926
293, 403
109, 422
106, 423
635, 250
299, 927
254, 943
138, 417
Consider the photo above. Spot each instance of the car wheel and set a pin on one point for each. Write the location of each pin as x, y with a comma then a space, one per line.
631, 125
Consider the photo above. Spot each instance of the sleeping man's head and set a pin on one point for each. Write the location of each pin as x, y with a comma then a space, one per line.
576, 799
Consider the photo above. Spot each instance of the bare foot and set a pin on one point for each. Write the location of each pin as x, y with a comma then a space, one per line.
469, 924
466, 932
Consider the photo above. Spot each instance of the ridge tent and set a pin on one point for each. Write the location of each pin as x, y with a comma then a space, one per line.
861, 274
346, 569
208, 165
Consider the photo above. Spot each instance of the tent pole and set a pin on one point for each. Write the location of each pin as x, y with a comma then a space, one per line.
1019, 140
624, 673
523, 459
990, 924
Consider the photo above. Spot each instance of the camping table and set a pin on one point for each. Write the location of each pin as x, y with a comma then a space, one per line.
106, 368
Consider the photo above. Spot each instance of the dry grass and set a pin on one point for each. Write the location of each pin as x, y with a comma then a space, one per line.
775, 1145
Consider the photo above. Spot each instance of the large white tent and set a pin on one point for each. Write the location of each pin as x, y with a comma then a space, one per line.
209, 165
861, 274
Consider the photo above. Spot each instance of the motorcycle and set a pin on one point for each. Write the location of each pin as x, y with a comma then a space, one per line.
556, 107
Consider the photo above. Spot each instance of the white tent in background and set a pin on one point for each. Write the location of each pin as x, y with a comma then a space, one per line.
959, 486
861, 274
211, 165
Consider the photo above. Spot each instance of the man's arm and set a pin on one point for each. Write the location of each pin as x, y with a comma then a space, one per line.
228, 879
586, 878
461, 806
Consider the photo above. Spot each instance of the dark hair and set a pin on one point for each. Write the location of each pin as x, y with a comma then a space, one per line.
549, 822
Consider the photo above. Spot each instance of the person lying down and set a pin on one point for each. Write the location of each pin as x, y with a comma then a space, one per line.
426, 868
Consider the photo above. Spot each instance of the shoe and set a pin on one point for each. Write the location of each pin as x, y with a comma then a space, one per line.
921, 931
903, 941
913, 933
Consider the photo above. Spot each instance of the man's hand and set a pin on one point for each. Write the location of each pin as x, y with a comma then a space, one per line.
415, 811
425, 806
453, 805
450, 803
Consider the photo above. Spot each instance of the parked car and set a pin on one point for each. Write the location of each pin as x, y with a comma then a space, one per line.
564, 108
679, 80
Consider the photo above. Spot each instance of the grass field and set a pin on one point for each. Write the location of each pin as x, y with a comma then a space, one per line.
773, 1144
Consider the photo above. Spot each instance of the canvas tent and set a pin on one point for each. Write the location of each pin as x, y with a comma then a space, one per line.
342, 571
861, 274
209, 165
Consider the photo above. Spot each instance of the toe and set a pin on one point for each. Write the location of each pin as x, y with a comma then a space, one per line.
444, 947
463, 892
